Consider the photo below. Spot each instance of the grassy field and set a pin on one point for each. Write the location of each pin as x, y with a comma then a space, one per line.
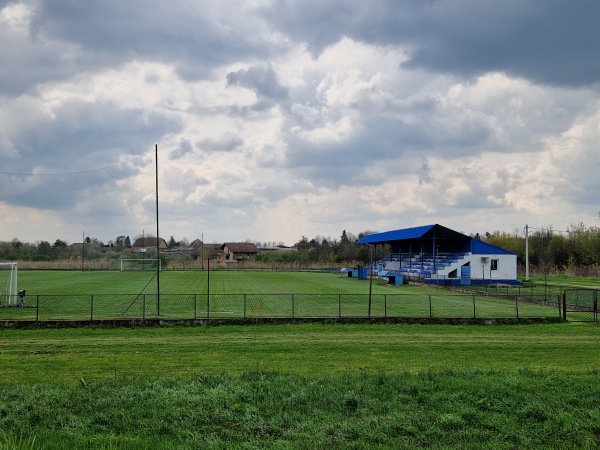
304, 386
75, 295
63, 356
301, 386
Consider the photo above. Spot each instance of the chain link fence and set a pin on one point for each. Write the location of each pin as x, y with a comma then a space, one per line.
447, 305
573, 303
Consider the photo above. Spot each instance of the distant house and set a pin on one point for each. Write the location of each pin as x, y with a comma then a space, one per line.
236, 251
148, 244
276, 248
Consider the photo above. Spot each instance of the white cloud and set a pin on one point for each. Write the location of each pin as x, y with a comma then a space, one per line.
276, 120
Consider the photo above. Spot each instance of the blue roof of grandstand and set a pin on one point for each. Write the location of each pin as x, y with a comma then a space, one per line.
396, 235
476, 246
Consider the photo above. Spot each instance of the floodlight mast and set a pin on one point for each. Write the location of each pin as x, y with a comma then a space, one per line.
157, 236
370, 278
526, 252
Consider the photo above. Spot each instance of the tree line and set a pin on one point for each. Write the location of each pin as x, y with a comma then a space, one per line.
575, 251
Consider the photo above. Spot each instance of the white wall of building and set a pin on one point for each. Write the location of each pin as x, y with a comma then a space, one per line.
483, 267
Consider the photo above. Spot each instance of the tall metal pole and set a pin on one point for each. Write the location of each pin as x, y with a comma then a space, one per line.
82, 249
526, 252
157, 240
370, 278
208, 288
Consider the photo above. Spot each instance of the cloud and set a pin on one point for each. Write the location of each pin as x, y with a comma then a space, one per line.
262, 80
82, 135
553, 42
278, 119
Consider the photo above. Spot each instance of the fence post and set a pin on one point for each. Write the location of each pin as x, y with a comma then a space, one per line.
92, 308
245, 306
292, 306
531, 293
195, 306
143, 306
517, 305
37, 308
430, 308
474, 310
385, 306
339, 306
564, 305
595, 306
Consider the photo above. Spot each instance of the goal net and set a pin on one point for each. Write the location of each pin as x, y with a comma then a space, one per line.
8, 284
137, 265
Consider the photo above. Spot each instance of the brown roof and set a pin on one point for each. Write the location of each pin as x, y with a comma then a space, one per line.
149, 242
240, 247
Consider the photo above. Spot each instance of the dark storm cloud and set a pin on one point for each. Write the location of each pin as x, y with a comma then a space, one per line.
189, 35
83, 135
553, 41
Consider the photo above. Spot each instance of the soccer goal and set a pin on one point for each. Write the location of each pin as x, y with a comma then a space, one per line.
8, 284
137, 265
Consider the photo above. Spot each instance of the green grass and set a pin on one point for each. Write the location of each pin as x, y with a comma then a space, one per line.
72, 295
468, 410
296, 385
195, 282
66, 355
301, 386
566, 280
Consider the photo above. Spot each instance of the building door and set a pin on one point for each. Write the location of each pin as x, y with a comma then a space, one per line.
465, 275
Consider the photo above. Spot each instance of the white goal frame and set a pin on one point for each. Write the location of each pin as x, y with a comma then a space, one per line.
8, 291
151, 262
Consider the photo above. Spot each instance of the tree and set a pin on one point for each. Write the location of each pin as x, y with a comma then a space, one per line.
302, 244
16, 244
44, 251
540, 244
344, 239
120, 243
172, 243
59, 244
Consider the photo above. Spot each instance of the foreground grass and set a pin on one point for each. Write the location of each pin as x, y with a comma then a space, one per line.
524, 409
63, 356
304, 386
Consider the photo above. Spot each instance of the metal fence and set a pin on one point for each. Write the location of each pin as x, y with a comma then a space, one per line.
575, 304
445, 304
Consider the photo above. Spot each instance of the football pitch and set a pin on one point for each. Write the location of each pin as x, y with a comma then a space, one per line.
73, 295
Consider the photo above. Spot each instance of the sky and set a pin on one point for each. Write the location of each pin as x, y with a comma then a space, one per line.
277, 119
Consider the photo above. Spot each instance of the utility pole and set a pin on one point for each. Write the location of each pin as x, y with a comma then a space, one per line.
157, 242
82, 249
370, 278
526, 252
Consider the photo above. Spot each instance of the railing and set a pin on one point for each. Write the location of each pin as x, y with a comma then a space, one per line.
92, 307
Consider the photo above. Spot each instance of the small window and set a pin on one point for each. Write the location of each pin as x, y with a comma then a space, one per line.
494, 264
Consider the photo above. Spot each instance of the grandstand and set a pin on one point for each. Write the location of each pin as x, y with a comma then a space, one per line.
438, 255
